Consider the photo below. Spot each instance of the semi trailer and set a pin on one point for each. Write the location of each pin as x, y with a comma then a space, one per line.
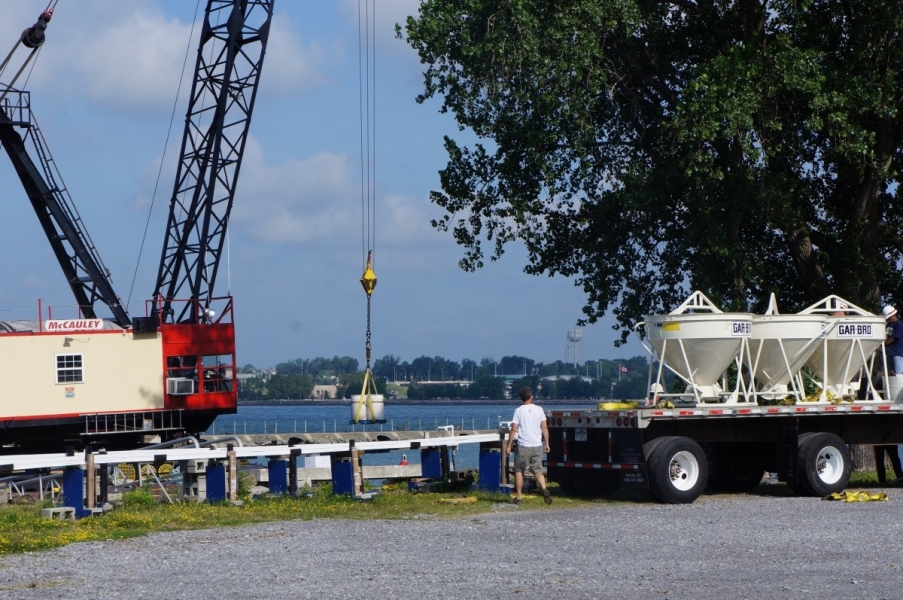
785, 394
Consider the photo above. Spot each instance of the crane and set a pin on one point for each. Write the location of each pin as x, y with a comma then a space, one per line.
171, 371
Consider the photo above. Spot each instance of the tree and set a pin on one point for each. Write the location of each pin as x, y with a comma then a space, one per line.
321, 369
290, 386
650, 148
515, 365
387, 366
487, 386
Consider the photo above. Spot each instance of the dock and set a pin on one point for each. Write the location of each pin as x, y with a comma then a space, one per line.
210, 469
266, 439
322, 471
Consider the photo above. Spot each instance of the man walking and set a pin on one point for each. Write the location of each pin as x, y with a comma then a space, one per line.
531, 432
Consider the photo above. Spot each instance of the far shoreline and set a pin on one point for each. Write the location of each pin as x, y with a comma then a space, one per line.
469, 401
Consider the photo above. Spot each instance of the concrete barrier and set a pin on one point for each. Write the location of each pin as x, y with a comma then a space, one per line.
62, 513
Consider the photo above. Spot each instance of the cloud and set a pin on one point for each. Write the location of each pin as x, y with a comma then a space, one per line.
317, 199
293, 65
128, 57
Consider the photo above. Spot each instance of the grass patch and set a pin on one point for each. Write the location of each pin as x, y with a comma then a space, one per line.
22, 529
869, 479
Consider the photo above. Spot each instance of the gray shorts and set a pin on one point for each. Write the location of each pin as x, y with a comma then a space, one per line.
528, 457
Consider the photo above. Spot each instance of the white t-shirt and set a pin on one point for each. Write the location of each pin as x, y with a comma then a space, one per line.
529, 418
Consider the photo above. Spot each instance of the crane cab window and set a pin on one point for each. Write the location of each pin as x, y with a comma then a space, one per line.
217, 372
69, 368
182, 366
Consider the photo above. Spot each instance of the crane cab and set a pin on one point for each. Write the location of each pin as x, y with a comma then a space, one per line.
74, 382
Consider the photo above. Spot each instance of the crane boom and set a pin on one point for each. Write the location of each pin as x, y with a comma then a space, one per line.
229, 61
69, 239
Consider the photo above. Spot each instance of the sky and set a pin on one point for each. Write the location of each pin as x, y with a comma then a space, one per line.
103, 91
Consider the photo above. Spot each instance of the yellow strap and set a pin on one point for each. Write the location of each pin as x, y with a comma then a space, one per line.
858, 496
459, 500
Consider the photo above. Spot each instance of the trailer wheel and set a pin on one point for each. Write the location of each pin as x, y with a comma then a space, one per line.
739, 468
650, 446
794, 482
563, 478
677, 470
824, 464
567, 487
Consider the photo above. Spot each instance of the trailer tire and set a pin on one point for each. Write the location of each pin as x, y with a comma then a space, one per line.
823, 464
563, 478
648, 450
678, 470
794, 482
650, 446
568, 487
738, 468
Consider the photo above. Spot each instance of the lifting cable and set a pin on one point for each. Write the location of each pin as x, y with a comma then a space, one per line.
367, 114
172, 118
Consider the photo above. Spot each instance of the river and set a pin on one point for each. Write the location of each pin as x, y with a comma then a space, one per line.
317, 417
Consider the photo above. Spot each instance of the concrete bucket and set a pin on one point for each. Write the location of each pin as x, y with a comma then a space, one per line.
779, 347
698, 346
847, 343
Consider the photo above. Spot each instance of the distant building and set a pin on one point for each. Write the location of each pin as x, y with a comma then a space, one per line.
324, 392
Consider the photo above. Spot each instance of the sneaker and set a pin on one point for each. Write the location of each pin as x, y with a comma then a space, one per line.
515, 501
547, 496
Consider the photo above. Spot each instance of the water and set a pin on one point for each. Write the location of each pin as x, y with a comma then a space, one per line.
319, 417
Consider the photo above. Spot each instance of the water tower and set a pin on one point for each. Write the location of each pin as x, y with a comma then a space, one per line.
574, 349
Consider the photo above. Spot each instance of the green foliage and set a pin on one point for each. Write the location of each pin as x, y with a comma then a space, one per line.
646, 149
324, 369
139, 497
558, 380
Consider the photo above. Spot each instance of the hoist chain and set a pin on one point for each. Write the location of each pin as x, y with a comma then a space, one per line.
368, 333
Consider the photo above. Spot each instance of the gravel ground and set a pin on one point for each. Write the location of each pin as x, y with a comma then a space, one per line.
718, 547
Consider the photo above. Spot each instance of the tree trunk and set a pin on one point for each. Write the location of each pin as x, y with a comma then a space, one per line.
863, 458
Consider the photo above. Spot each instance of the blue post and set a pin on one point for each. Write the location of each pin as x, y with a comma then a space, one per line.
342, 476
216, 483
74, 491
490, 470
278, 475
431, 463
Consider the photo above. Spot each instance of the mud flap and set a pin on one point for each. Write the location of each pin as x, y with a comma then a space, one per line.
786, 453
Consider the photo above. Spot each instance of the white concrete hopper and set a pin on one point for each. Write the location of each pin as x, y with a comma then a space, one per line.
698, 347
780, 345
851, 335
848, 343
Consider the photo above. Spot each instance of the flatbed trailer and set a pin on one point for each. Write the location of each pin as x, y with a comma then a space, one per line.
674, 453
777, 393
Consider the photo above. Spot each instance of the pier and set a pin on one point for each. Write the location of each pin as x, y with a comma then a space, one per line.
210, 470
343, 437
